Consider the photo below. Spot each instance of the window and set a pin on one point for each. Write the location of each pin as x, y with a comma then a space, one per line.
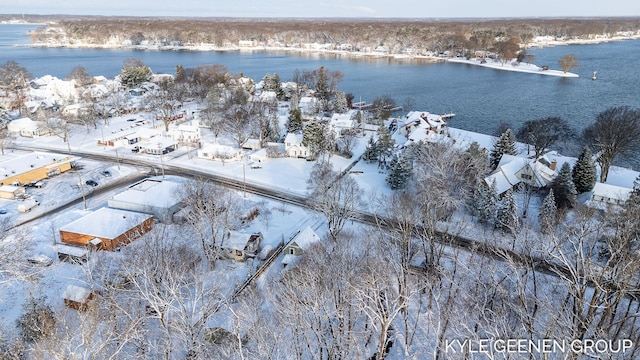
291, 251
525, 176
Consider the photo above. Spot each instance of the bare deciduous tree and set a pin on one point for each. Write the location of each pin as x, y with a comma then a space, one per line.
615, 133
336, 196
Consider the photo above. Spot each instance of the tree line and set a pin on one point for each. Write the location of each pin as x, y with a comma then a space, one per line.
397, 36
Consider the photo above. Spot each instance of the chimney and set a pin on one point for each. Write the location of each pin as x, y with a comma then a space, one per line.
553, 165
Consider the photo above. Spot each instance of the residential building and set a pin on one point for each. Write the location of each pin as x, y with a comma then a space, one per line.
222, 152
610, 194
513, 170
299, 244
293, 146
240, 246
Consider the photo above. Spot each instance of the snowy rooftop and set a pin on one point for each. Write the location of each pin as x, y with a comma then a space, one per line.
611, 191
27, 162
306, 238
106, 223
236, 240
157, 193
293, 138
76, 293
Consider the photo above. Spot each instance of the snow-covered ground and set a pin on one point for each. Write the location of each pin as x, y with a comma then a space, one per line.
512, 66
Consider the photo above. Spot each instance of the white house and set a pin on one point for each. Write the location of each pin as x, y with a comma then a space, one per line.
158, 145
513, 170
610, 194
27, 128
293, 146
222, 152
186, 133
346, 121
297, 246
419, 126
308, 104
251, 144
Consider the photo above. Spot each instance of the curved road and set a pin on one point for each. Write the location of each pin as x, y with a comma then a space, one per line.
538, 263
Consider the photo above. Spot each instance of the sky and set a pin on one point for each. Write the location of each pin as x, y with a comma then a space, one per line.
328, 8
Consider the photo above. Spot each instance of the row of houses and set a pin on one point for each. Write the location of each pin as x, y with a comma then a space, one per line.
539, 173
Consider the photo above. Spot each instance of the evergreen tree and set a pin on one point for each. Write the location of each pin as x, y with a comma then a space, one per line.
548, 213
400, 172
488, 201
316, 138
507, 214
584, 172
371, 151
384, 144
181, 75
134, 72
294, 122
563, 188
634, 197
506, 144
340, 104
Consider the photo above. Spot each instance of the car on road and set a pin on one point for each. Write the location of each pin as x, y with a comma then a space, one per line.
92, 183
106, 173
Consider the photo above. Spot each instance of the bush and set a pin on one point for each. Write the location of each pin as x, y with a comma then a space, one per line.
37, 322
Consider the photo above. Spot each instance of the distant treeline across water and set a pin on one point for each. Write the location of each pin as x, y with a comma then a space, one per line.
481, 98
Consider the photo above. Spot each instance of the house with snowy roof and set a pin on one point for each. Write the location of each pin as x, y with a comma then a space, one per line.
185, 133
158, 145
293, 146
106, 229
419, 126
341, 122
609, 194
26, 127
160, 198
299, 244
308, 104
240, 246
513, 170
218, 151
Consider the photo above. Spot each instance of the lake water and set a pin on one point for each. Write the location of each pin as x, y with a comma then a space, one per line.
482, 98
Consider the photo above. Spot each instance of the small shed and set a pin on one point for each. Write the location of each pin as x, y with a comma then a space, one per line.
72, 254
11, 192
77, 297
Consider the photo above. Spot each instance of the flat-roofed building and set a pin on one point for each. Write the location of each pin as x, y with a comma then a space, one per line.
160, 198
34, 166
106, 229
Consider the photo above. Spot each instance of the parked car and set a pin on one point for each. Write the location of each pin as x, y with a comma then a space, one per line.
135, 149
3, 211
106, 173
91, 183
40, 259
27, 205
